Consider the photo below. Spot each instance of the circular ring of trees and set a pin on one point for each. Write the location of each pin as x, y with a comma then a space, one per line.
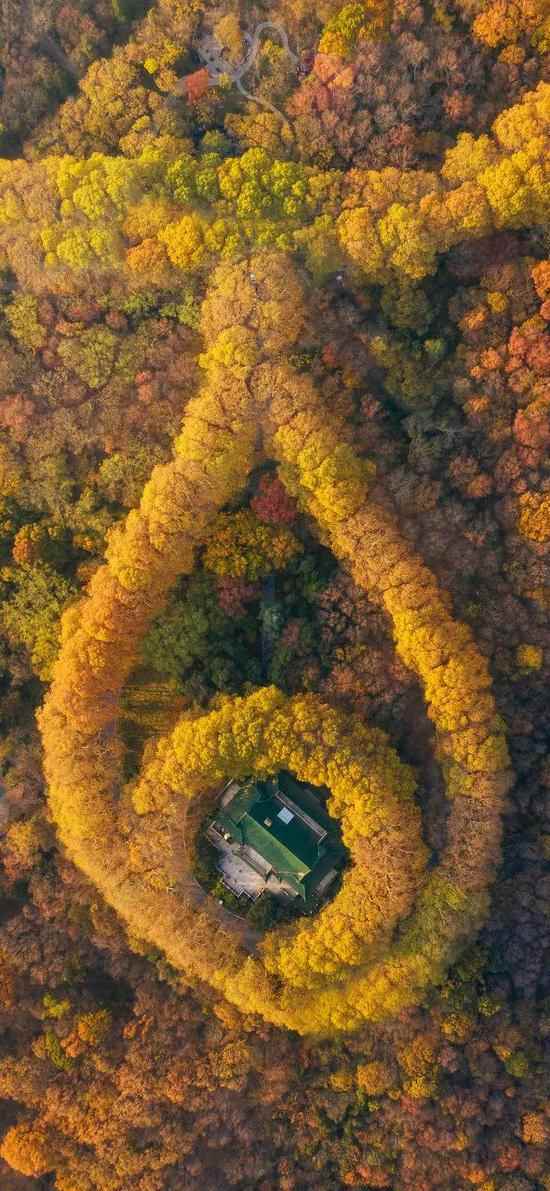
371, 791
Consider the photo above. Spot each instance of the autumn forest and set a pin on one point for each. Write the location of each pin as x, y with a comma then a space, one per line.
274, 500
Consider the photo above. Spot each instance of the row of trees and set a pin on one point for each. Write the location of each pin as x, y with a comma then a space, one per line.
372, 794
444, 382
162, 213
246, 375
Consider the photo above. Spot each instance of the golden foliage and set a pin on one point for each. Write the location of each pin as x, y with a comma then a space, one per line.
534, 516
28, 1150
529, 657
242, 546
348, 964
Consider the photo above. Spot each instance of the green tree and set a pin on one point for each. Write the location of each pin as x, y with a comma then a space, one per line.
32, 611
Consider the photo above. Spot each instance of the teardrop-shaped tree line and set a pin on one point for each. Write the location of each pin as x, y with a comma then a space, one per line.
129, 842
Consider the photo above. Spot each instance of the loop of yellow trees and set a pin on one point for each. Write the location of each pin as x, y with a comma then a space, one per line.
356, 961
372, 793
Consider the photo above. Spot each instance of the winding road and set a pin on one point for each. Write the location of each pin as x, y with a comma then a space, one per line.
210, 53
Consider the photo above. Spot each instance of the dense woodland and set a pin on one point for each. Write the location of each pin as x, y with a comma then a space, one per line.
320, 311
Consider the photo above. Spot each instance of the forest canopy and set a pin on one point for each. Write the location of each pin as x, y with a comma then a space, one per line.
274, 419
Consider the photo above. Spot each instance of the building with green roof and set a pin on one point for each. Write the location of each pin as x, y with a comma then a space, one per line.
281, 830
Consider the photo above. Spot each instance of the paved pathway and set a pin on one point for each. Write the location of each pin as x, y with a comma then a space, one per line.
210, 52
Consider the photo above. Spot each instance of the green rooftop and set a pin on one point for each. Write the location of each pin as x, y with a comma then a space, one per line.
282, 825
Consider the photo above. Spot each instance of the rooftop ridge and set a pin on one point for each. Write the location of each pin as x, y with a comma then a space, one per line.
321, 832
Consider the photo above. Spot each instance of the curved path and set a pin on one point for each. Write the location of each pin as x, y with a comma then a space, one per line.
210, 53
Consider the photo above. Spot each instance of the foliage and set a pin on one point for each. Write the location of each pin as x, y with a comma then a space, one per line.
355, 21
22, 317
343, 277
183, 635
241, 546
32, 611
333, 483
